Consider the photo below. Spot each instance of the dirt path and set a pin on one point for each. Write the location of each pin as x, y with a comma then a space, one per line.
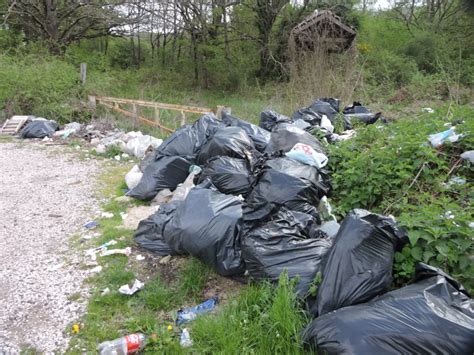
45, 197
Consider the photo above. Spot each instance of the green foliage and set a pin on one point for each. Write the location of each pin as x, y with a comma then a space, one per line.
261, 320
47, 87
393, 169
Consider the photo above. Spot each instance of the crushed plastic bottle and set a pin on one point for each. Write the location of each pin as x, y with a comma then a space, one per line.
128, 344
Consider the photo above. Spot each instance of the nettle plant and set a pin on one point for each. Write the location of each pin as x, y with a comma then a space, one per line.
392, 169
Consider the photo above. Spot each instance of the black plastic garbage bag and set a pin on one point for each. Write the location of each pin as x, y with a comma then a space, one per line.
308, 115
326, 106
259, 136
361, 113
432, 316
288, 242
228, 175
188, 140
149, 234
289, 183
269, 119
359, 266
39, 129
162, 173
207, 226
285, 136
227, 141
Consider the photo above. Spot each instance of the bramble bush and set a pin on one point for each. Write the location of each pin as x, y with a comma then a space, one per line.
392, 169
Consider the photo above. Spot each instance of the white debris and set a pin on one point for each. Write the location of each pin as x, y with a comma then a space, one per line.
127, 290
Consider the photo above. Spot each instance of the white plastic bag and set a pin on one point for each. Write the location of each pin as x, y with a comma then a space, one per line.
307, 155
133, 177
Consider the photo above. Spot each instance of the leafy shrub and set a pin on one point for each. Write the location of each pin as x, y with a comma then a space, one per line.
45, 87
393, 169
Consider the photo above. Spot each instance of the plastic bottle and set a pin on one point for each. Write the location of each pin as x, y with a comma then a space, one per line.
128, 344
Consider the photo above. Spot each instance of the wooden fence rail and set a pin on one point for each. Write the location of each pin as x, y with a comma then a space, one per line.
114, 103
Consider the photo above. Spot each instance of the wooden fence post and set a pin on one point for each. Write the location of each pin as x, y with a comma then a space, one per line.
83, 73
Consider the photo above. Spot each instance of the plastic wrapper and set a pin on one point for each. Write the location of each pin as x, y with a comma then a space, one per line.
359, 266
434, 315
228, 175
207, 226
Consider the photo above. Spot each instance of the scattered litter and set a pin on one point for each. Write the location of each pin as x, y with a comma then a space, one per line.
189, 314
165, 260
133, 177
128, 344
95, 270
107, 215
469, 155
91, 225
134, 215
47, 139
307, 155
127, 290
471, 225
125, 156
183, 189
117, 157
440, 138
123, 199
185, 338
126, 251
344, 135
140, 257
427, 110
325, 210
455, 180
448, 215
105, 291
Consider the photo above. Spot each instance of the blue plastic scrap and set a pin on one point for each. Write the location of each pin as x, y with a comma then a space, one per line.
189, 314
91, 224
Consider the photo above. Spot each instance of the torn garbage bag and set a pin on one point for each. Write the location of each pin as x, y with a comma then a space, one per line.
188, 140
270, 119
285, 136
434, 315
259, 136
289, 242
227, 141
163, 173
359, 266
228, 175
149, 234
207, 226
287, 182
361, 113
39, 129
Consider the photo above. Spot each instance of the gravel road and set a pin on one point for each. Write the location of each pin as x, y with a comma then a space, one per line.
46, 195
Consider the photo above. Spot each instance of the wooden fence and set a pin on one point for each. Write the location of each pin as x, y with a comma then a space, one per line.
133, 111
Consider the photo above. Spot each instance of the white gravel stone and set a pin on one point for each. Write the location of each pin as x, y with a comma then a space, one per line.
46, 195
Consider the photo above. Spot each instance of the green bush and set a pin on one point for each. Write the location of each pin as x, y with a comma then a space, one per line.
47, 87
392, 169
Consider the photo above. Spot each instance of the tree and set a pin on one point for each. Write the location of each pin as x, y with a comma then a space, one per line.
59, 23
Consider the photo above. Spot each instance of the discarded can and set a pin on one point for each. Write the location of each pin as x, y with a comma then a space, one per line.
188, 314
128, 344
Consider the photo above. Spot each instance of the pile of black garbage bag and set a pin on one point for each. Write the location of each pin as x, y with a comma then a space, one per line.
255, 213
